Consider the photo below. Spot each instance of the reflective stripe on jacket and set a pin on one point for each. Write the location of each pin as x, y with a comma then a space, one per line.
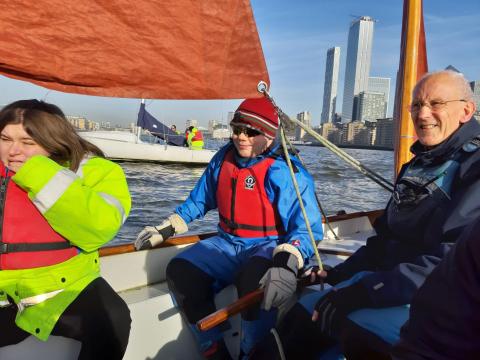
243, 205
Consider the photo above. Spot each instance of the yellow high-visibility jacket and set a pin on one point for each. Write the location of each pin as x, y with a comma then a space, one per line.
87, 208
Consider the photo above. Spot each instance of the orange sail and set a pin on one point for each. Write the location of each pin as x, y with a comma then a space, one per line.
413, 64
169, 49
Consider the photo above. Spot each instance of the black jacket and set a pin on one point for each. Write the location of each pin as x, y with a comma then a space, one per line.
437, 195
445, 312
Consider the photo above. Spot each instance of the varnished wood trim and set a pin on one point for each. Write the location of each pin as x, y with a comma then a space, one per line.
190, 239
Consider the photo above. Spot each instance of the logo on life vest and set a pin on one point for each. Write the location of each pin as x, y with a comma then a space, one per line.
249, 182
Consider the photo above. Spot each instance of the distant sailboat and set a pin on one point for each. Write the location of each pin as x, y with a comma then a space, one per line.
127, 146
148, 122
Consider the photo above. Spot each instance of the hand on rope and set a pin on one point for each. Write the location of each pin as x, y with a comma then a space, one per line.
328, 275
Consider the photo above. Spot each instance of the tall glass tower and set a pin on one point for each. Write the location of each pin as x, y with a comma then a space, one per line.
357, 69
330, 86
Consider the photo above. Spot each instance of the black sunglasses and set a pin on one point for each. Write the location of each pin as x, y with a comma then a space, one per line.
237, 130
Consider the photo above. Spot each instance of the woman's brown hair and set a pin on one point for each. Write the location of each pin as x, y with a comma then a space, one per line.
49, 128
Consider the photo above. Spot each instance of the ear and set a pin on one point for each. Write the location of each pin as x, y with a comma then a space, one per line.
468, 111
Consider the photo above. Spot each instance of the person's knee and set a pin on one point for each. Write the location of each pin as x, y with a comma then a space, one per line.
191, 287
247, 280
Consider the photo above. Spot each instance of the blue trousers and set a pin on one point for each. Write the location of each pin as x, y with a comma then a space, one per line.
222, 260
383, 322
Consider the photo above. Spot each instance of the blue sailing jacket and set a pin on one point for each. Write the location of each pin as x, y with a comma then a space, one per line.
437, 195
280, 191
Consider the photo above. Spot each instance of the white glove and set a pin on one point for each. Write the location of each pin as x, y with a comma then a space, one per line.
151, 236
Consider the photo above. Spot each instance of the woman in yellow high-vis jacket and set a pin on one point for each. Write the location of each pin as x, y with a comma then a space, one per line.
60, 200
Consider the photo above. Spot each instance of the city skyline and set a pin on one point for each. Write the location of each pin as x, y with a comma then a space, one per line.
295, 53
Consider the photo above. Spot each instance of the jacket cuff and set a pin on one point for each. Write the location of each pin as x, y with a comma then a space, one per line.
287, 255
179, 225
35, 173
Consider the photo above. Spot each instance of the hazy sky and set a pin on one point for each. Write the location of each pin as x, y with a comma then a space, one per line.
295, 36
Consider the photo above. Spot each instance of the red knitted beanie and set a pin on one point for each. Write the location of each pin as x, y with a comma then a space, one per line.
258, 114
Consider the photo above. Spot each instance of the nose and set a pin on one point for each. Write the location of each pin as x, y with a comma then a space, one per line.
424, 110
14, 148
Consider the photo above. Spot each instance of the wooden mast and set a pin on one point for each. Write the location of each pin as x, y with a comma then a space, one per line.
413, 64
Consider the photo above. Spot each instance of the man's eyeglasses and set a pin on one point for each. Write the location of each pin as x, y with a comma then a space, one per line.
237, 130
434, 105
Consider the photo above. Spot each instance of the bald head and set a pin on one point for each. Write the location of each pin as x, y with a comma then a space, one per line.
453, 78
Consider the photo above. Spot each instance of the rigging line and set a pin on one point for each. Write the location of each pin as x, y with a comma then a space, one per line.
322, 211
299, 197
262, 87
347, 158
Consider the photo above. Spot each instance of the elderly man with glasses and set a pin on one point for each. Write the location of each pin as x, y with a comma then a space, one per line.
262, 237
436, 195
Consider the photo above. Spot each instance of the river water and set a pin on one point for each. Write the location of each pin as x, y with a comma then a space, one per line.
157, 189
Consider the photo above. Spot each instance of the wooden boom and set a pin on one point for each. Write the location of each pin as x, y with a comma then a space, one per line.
245, 302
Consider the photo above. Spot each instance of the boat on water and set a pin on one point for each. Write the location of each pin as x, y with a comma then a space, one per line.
126, 146
199, 69
166, 146
158, 331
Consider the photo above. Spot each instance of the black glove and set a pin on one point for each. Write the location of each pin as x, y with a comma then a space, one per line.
280, 281
333, 275
334, 307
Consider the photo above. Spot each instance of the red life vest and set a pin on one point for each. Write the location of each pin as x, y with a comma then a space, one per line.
197, 135
243, 205
27, 239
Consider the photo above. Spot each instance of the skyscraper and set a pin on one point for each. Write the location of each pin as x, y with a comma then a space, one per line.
330, 86
357, 69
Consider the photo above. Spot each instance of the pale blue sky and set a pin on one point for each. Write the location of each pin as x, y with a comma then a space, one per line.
295, 36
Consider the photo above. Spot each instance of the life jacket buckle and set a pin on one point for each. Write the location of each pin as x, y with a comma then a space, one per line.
3, 248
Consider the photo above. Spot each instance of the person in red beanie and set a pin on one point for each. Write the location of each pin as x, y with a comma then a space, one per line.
262, 239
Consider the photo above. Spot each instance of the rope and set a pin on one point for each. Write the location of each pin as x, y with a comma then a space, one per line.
300, 201
262, 87
279, 344
316, 195
347, 158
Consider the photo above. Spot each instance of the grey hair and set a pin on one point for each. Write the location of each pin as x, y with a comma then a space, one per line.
455, 75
